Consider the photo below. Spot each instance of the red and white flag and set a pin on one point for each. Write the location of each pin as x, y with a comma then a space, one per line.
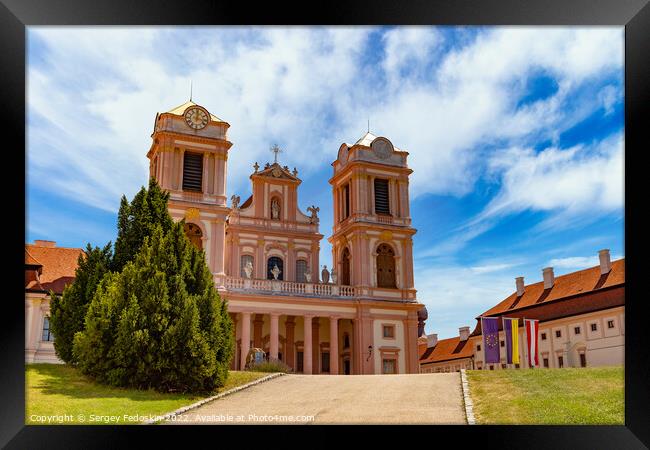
532, 329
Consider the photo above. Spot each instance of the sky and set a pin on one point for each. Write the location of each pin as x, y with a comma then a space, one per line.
515, 135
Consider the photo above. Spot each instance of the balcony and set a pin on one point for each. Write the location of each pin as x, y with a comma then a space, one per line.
288, 287
320, 290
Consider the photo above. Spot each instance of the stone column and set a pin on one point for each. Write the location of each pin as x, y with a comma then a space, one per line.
273, 346
233, 317
315, 345
307, 360
288, 346
411, 341
245, 338
258, 323
334, 345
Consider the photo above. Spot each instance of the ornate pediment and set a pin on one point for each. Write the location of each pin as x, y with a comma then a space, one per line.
277, 171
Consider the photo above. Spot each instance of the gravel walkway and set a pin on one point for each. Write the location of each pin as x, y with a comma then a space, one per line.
355, 399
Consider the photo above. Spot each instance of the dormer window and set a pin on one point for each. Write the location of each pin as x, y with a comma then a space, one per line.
193, 172
382, 205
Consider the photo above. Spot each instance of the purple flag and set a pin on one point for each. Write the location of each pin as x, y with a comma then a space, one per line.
490, 329
507, 330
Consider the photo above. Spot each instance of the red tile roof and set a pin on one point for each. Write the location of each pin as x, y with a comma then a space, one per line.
30, 260
447, 349
58, 267
574, 293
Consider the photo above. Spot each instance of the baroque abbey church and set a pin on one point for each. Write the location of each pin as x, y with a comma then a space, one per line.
264, 252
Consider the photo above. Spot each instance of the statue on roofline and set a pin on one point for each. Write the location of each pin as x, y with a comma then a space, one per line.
314, 213
325, 275
235, 201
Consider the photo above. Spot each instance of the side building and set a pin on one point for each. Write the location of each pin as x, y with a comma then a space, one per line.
581, 322
47, 268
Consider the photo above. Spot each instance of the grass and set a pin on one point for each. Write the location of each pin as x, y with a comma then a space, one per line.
548, 396
65, 396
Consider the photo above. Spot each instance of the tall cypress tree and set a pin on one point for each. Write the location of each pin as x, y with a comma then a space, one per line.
160, 323
67, 311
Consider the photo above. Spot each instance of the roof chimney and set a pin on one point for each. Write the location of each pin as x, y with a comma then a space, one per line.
42, 243
519, 282
605, 261
463, 332
549, 278
432, 340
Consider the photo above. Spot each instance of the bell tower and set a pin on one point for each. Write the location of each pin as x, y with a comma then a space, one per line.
372, 233
188, 157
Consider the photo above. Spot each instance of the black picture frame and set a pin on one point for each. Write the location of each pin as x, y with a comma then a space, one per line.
16, 15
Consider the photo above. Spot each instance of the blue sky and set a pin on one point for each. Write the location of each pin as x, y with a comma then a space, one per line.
515, 134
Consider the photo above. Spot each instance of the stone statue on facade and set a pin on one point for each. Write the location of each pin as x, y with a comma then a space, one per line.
314, 213
275, 209
248, 269
325, 275
256, 167
423, 314
307, 275
234, 200
333, 275
275, 272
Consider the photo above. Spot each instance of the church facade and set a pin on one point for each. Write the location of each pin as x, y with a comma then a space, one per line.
358, 317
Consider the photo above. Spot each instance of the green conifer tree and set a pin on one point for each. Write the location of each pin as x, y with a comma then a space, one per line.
67, 311
137, 220
160, 323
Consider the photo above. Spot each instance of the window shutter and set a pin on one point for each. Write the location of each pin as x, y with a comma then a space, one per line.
193, 172
381, 197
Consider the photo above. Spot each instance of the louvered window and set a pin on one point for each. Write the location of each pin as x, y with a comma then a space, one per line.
381, 197
192, 172
346, 201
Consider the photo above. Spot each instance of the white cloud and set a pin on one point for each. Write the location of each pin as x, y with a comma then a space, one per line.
574, 180
577, 262
455, 295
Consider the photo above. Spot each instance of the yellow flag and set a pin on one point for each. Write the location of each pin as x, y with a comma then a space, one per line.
515, 340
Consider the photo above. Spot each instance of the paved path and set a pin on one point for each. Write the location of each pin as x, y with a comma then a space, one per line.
355, 399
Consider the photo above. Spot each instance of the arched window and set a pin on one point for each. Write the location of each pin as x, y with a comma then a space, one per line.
243, 261
345, 267
194, 234
385, 267
301, 269
272, 262
275, 209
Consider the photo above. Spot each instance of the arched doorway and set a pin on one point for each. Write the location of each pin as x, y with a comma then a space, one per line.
385, 266
345, 267
272, 262
194, 234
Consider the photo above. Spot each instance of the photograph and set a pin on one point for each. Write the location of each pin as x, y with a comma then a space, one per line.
324, 225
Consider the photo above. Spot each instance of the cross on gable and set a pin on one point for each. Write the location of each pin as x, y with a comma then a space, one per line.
275, 149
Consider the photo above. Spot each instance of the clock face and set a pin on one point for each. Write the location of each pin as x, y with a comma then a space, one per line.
196, 118
382, 148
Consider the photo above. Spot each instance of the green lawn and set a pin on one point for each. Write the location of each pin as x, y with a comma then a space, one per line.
55, 390
548, 396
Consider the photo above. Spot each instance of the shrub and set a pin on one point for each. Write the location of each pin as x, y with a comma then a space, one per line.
270, 365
